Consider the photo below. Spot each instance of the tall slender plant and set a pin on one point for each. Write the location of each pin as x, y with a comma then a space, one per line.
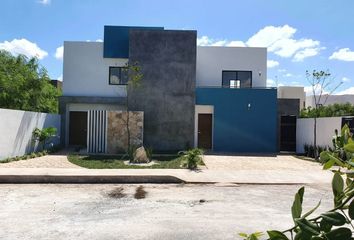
134, 77
320, 82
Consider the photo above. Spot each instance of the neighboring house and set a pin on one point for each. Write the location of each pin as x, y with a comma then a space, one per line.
330, 99
57, 84
290, 102
209, 97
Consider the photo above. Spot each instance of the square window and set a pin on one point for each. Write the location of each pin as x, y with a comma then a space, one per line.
236, 79
118, 76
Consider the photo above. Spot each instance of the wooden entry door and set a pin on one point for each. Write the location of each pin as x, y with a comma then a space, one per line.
205, 128
78, 128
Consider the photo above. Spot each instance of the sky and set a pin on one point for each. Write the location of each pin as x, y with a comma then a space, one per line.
299, 35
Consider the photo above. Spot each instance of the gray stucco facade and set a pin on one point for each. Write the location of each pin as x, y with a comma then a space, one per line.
167, 94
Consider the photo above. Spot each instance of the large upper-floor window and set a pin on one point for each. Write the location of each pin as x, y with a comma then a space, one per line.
237, 79
118, 76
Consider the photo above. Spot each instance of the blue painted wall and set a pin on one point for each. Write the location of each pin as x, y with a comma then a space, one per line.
116, 40
238, 128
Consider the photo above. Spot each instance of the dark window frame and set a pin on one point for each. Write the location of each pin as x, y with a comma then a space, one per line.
120, 76
222, 73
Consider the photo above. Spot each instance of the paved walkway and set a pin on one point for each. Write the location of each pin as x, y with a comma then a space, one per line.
81, 175
48, 161
280, 162
220, 169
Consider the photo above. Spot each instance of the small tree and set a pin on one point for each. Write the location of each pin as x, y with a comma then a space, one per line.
320, 82
42, 136
134, 76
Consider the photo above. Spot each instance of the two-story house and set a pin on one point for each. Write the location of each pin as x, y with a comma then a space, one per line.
191, 96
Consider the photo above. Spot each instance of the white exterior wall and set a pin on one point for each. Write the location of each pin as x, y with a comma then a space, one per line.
330, 100
86, 72
16, 129
325, 131
202, 109
211, 61
293, 92
84, 107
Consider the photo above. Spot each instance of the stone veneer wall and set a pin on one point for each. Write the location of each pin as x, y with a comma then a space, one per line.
117, 130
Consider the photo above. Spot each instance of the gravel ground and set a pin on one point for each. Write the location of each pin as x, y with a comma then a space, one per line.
167, 211
280, 162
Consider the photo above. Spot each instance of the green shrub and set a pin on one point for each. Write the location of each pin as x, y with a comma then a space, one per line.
192, 158
42, 136
309, 150
334, 110
149, 153
131, 152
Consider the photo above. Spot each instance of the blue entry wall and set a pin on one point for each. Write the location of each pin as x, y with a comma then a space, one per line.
238, 128
116, 40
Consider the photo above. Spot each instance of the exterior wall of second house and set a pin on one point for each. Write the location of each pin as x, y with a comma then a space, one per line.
86, 72
211, 61
244, 120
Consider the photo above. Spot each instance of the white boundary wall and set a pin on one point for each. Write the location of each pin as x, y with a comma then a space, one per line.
16, 129
325, 131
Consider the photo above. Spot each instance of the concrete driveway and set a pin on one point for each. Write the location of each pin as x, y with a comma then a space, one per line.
87, 211
279, 162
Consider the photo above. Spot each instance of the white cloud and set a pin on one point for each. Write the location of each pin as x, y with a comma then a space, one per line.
270, 83
345, 79
305, 53
288, 75
295, 83
206, 41
279, 40
59, 53
44, 2
270, 35
272, 63
343, 54
23, 46
99, 40
60, 78
317, 88
236, 44
346, 91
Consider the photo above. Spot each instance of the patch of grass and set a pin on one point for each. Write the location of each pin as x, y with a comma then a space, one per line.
140, 193
25, 157
112, 162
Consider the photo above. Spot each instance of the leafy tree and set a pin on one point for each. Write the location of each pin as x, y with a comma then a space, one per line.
320, 82
334, 110
25, 85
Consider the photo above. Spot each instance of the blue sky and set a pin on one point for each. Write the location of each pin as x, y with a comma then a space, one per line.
300, 35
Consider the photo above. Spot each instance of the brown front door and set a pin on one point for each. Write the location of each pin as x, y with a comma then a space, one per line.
205, 126
78, 128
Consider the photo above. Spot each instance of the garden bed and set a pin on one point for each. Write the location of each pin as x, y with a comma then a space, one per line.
117, 162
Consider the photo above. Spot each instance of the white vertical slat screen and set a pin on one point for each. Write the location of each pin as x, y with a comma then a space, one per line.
97, 131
